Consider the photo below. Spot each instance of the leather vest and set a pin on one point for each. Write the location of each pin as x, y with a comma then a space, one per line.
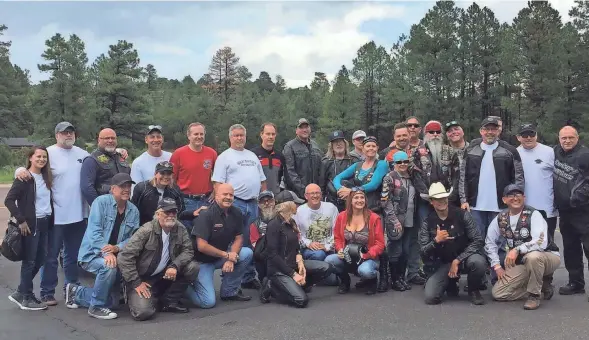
372, 198
445, 168
522, 233
394, 190
107, 166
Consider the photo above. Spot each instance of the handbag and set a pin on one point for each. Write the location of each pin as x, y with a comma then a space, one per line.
12, 245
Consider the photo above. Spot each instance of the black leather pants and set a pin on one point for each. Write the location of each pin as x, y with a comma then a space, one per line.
285, 289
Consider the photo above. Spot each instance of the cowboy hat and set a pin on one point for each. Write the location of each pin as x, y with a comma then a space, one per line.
437, 190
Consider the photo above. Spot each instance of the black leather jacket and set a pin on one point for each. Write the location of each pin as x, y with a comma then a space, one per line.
329, 169
146, 197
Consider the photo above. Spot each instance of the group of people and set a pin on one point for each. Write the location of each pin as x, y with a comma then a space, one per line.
419, 212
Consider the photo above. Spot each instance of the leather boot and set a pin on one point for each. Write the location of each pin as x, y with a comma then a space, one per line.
344, 285
402, 270
383, 274
396, 284
547, 287
371, 287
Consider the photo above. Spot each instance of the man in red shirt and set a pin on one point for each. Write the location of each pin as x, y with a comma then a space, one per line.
193, 168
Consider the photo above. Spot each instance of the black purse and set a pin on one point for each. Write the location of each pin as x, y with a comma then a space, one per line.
12, 247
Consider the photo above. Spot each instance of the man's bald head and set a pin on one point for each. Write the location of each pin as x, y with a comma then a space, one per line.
568, 138
311, 188
107, 140
313, 196
224, 195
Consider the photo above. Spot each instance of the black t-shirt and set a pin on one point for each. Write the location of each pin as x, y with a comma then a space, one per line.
450, 249
114, 235
218, 228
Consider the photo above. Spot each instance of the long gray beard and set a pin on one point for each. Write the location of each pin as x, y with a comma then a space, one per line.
268, 214
435, 149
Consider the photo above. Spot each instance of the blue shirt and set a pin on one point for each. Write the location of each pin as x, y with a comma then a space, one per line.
103, 213
381, 170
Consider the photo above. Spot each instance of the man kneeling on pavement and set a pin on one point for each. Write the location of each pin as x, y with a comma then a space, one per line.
157, 263
218, 245
532, 256
450, 244
112, 221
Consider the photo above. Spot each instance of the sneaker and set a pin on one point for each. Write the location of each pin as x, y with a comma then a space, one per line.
70, 294
533, 302
476, 298
27, 303
16, 298
49, 300
571, 288
102, 313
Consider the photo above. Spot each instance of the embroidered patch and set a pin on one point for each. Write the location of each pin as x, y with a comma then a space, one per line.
103, 159
218, 225
524, 232
207, 164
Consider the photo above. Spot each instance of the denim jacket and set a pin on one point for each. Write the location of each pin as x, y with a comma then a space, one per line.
103, 213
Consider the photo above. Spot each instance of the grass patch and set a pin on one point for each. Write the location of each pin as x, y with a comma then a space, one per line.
6, 175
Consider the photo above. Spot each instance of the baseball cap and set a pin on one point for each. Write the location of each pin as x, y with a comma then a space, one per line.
433, 125
288, 196
526, 128
167, 204
61, 127
512, 188
358, 134
164, 166
265, 194
120, 179
153, 128
490, 120
335, 135
451, 124
302, 121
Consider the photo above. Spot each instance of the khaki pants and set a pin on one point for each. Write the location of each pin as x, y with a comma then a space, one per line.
526, 278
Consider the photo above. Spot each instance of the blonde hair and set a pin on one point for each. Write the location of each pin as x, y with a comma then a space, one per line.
287, 210
331, 155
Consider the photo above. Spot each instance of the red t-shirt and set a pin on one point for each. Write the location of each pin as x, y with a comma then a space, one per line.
192, 169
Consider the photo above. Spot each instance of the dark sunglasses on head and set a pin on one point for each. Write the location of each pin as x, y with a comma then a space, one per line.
154, 127
435, 132
452, 123
357, 189
165, 164
528, 134
413, 125
402, 162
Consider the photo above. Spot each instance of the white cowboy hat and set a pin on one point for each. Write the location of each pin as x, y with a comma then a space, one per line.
437, 190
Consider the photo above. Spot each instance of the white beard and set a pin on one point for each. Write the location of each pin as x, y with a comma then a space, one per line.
435, 149
268, 214
169, 222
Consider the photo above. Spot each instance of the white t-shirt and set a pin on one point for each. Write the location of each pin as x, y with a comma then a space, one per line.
538, 164
66, 165
243, 170
317, 225
165, 253
143, 167
487, 190
42, 197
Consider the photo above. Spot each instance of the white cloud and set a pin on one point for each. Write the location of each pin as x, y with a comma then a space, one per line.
506, 11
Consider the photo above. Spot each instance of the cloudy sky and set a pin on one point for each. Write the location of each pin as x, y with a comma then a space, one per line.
291, 38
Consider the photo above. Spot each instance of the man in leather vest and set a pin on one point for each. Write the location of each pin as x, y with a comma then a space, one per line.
266, 204
532, 257
99, 168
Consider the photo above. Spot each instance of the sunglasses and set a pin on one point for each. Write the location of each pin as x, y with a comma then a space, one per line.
452, 123
415, 126
357, 189
171, 212
154, 127
528, 134
435, 132
165, 164
402, 162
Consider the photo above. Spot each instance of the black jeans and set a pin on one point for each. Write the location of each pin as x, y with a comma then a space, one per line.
474, 266
575, 240
551, 225
163, 292
261, 268
285, 289
35, 252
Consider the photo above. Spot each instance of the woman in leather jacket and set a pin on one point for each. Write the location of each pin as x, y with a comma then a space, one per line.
335, 161
289, 277
359, 241
147, 194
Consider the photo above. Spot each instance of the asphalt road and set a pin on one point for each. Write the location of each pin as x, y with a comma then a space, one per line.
391, 315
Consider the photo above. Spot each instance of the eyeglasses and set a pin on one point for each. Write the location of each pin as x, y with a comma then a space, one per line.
528, 134
171, 212
435, 132
518, 195
314, 193
402, 162
414, 126
154, 127
451, 123
266, 201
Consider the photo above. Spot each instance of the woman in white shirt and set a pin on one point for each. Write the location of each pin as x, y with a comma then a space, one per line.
30, 205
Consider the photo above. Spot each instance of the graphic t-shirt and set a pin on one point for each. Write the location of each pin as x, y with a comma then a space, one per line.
317, 225
243, 170
193, 169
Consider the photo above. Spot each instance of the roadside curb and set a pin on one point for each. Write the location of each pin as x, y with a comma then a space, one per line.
5, 186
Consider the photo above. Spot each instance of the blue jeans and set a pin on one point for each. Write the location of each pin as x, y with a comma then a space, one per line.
250, 212
320, 255
106, 285
35, 251
202, 292
70, 237
483, 219
191, 204
367, 270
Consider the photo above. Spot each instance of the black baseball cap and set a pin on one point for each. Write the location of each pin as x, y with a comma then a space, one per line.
528, 127
288, 196
335, 135
265, 194
120, 179
511, 188
61, 127
164, 166
452, 123
490, 120
153, 128
167, 204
